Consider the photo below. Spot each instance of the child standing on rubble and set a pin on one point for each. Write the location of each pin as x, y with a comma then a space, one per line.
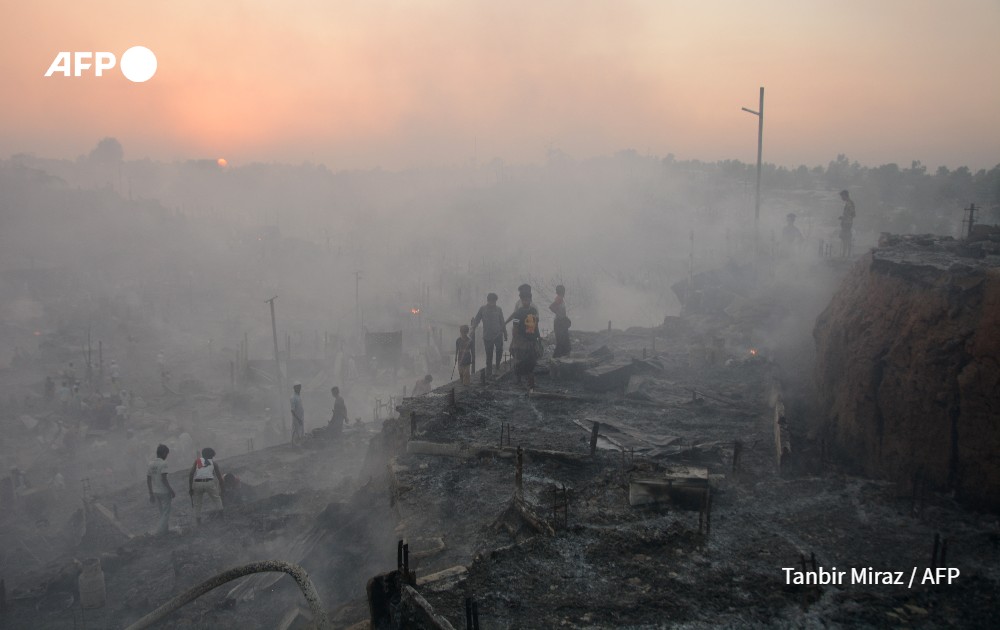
562, 323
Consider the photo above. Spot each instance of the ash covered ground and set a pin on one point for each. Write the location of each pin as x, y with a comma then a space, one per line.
589, 539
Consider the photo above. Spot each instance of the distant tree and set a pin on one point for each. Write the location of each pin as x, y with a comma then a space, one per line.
841, 173
107, 151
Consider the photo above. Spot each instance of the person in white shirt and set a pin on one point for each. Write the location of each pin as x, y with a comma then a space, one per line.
160, 491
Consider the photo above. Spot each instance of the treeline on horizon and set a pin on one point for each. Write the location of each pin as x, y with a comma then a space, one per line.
896, 199
889, 197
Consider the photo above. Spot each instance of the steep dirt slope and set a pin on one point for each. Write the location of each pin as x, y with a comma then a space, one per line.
907, 366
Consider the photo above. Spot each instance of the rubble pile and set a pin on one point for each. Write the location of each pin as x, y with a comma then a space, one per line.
674, 512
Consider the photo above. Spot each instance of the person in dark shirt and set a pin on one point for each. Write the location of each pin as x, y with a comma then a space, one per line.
561, 324
463, 355
339, 417
846, 224
524, 343
494, 331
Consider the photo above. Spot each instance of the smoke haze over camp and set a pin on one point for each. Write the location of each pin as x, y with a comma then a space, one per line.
403, 85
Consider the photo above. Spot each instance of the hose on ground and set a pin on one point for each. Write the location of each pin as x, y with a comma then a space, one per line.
298, 574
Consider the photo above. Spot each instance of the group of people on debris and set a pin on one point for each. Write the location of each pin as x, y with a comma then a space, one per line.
204, 479
337, 419
525, 342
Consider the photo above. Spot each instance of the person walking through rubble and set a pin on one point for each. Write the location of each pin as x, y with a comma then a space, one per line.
159, 488
525, 341
463, 355
339, 417
494, 331
562, 323
205, 478
298, 415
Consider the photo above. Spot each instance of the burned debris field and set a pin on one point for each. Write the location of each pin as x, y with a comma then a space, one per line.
658, 476
529, 315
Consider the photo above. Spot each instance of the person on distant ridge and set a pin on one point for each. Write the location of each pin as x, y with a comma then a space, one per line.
846, 223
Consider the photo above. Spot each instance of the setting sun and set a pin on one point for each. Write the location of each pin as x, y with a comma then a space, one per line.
222, 162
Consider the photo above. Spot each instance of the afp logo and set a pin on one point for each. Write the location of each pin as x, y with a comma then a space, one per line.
138, 64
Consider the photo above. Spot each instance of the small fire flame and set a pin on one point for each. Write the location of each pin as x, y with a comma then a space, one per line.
753, 352
415, 310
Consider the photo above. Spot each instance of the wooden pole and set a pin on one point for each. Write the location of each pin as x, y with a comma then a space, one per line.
89, 355
277, 364
760, 152
760, 149
357, 297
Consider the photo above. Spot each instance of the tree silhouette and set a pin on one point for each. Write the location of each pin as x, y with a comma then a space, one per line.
107, 151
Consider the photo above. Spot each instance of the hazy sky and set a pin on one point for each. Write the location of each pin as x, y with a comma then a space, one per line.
402, 83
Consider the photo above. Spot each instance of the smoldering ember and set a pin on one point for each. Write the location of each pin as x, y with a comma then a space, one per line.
269, 396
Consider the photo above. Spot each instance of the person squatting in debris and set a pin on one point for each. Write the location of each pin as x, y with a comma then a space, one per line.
463, 355
160, 491
494, 331
339, 417
561, 324
298, 415
423, 386
205, 478
846, 223
524, 344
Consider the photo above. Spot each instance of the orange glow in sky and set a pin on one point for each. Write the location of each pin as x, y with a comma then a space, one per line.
222, 162
409, 84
